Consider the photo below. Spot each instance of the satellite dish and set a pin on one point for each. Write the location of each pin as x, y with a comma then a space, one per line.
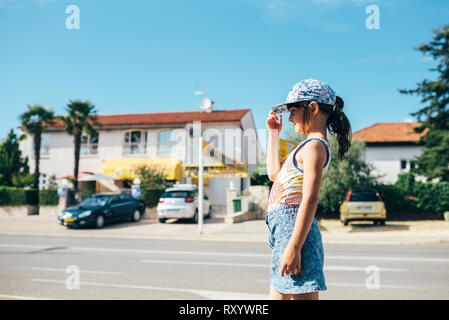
206, 104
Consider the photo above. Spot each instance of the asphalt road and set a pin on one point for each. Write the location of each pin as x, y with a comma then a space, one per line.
40, 267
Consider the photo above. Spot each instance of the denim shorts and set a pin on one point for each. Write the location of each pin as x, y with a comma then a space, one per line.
281, 222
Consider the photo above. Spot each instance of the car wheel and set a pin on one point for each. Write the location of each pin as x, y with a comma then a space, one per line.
162, 220
382, 222
195, 217
136, 215
99, 221
345, 222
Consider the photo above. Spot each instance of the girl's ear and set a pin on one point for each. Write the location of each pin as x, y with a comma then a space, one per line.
314, 107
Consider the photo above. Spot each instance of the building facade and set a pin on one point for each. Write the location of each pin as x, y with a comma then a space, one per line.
392, 148
163, 140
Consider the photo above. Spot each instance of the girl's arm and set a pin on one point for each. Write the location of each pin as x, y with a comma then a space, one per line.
314, 158
273, 163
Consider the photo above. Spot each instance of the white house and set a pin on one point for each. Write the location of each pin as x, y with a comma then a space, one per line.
392, 148
164, 140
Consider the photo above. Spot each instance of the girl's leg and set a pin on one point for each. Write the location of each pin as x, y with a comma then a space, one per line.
276, 295
306, 296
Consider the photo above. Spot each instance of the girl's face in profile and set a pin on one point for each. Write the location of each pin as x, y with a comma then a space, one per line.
296, 118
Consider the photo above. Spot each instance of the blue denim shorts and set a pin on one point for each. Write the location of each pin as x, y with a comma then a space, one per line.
281, 222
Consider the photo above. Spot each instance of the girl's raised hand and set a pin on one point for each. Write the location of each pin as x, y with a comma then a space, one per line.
274, 123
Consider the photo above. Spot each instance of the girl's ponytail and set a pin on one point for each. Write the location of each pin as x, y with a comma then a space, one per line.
338, 124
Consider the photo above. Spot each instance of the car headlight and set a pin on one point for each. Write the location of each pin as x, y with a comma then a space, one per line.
85, 214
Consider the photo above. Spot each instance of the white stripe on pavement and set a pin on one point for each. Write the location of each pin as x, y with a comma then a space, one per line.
226, 264
8, 296
63, 270
381, 286
204, 263
387, 258
205, 253
208, 253
218, 295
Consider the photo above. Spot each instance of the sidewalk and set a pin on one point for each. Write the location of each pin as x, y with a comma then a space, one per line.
214, 229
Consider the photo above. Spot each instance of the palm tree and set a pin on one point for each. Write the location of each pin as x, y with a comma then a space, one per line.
34, 122
80, 118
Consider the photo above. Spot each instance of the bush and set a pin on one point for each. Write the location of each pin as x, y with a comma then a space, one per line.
11, 196
48, 197
414, 196
151, 197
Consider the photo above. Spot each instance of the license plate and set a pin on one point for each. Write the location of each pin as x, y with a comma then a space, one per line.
365, 208
69, 219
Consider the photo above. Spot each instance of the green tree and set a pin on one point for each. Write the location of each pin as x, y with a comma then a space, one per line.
12, 165
81, 117
152, 185
150, 178
434, 160
34, 122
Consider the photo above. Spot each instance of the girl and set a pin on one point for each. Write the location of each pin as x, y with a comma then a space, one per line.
296, 270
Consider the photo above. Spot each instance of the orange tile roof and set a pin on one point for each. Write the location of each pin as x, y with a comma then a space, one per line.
389, 132
158, 118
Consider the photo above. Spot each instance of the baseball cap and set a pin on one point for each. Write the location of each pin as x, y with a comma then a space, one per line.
307, 90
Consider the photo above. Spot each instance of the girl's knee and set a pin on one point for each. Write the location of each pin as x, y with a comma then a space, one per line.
276, 295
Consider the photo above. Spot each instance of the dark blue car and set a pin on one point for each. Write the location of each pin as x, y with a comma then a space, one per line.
101, 209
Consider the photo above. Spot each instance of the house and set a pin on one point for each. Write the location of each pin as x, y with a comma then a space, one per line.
392, 147
163, 140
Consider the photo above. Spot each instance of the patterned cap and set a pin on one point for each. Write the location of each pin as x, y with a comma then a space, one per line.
308, 90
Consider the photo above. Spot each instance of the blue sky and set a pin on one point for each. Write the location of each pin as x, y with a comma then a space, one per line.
150, 56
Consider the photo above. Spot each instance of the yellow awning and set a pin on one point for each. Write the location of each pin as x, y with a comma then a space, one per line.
125, 168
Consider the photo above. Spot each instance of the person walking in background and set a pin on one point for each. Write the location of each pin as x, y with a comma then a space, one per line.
296, 270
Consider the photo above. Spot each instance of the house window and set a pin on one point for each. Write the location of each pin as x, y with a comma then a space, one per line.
412, 164
135, 142
403, 164
45, 144
167, 142
89, 144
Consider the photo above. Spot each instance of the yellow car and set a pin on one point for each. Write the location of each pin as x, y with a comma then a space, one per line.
363, 205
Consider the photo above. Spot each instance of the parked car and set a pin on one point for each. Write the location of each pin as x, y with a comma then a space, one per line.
181, 202
363, 205
101, 209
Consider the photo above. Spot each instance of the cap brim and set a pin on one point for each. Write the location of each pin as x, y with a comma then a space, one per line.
279, 108
283, 107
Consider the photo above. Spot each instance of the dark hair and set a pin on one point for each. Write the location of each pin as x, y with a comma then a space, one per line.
337, 122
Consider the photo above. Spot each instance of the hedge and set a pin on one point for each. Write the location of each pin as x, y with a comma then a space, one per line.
414, 196
151, 197
10, 196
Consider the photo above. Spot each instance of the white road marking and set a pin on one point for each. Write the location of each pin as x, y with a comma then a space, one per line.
8, 296
200, 253
226, 264
218, 295
227, 254
388, 258
382, 286
63, 270
204, 263
347, 284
